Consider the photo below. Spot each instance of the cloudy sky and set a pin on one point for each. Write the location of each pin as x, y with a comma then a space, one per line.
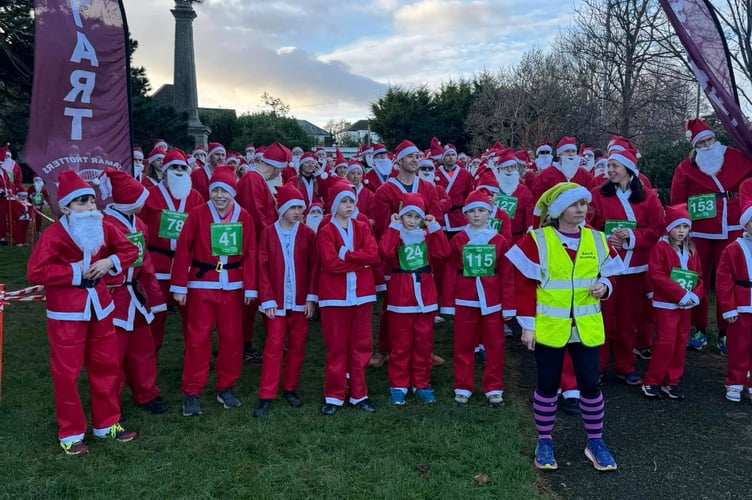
329, 59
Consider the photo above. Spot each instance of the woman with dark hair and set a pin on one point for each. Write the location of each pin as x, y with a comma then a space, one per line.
632, 218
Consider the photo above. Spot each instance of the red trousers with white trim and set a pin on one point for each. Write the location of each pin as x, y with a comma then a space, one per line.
411, 336
249, 320
621, 313
347, 338
294, 328
710, 255
73, 344
670, 347
157, 326
739, 345
470, 329
204, 309
139, 361
20, 231
384, 344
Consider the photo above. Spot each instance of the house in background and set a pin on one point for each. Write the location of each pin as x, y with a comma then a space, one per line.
357, 133
319, 136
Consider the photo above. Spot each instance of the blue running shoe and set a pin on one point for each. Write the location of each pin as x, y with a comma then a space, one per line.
398, 396
597, 452
544, 455
721, 345
697, 341
425, 395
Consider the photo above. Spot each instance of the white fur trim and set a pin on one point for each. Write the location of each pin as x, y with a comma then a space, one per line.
566, 199
476, 204
746, 216
215, 150
407, 151
566, 147
338, 199
628, 164
412, 208
222, 185
273, 163
702, 135
65, 200
675, 223
292, 203
547, 148
124, 207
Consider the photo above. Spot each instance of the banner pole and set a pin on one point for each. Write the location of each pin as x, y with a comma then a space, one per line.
2, 305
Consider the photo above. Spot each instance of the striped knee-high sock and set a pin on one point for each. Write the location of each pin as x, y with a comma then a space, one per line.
592, 415
544, 410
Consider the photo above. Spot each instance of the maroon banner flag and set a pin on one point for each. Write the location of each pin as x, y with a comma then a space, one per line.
80, 117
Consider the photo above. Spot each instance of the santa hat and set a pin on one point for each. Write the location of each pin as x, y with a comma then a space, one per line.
413, 202
487, 181
746, 214
159, 144
215, 147
259, 153
626, 158
437, 151
22, 193
138, 153
316, 205
354, 165
462, 156
288, 196
554, 201
338, 191
232, 159
586, 150
698, 130
426, 162
308, 157
277, 155
340, 160
319, 151
506, 159
601, 160
4, 152
224, 177
173, 157
70, 187
544, 147
127, 193
405, 148
449, 148
678, 214
156, 154
36, 178
296, 149
476, 199
566, 144
199, 149
522, 156
250, 147
379, 149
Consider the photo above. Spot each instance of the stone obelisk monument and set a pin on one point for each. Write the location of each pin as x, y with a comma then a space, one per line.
184, 72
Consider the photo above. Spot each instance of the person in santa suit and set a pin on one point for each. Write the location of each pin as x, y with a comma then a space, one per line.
199, 154
135, 292
544, 157
11, 167
618, 144
588, 155
213, 274
39, 197
427, 172
288, 284
311, 180
709, 182
70, 259
315, 216
458, 183
381, 170
297, 152
354, 174
567, 169
632, 218
347, 291
153, 173
7, 195
733, 284
250, 152
499, 219
257, 197
215, 156
562, 274
21, 214
340, 165
138, 164
164, 213
514, 197
600, 170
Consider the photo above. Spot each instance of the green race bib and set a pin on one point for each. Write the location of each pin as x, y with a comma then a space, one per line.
138, 240
227, 239
507, 203
495, 224
171, 223
478, 260
701, 206
412, 257
37, 199
614, 225
685, 279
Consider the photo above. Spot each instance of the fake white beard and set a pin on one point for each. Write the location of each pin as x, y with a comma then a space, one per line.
138, 169
314, 219
569, 165
296, 163
8, 164
710, 159
86, 230
38, 185
412, 236
543, 161
473, 169
274, 183
589, 165
600, 172
250, 156
427, 176
382, 166
508, 182
179, 184
369, 160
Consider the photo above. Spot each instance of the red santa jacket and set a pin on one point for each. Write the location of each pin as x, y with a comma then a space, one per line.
255, 196
372, 180
20, 211
389, 196
551, 176
457, 185
200, 181
523, 217
445, 202
501, 222
487, 293
648, 215
733, 279
7, 188
346, 257
136, 290
313, 189
365, 200
195, 266
667, 294
148, 182
39, 198
413, 291
15, 176
288, 173
275, 266
689, 180
162, 250
54, 264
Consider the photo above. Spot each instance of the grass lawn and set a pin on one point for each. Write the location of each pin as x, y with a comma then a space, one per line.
416, 451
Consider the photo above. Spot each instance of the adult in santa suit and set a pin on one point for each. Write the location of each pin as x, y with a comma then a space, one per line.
544, 158
311, 180
517, 197
70, 259
427, 172
717, 170
458, 183
135, 292
213, 274
215, 156
153, 173
138, 164
199, 155
20, 212
164, 213
354, 174
8, 188
11, 167
567, 169
382, 168
618, 144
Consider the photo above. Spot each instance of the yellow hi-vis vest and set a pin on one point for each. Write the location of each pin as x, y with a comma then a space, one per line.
564, 291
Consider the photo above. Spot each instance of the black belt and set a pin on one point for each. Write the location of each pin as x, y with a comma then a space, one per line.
455, 207
85, 283
204, 267
728, 195
169, 253
518, 234
417, 272
139, 296
745, 284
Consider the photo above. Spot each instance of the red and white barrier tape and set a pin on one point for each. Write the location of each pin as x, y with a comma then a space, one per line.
23, 295
24, 291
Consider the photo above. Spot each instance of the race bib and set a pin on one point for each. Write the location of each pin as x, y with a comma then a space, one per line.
478, 260
138, 240
171, 223
508, 204
701, 206
412, 257
685, 279
615, 225
495, 224
37, 199
226, 239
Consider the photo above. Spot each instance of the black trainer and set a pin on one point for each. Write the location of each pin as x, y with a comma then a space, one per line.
329, 409
570, 406
651, 391
262, 408
191, 406
252, 356
672, 392
292, 399
155, 406
367, 406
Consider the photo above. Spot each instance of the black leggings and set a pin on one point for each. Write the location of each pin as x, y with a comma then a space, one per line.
549, 361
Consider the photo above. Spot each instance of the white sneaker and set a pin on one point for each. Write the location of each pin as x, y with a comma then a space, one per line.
734, 393
437, 320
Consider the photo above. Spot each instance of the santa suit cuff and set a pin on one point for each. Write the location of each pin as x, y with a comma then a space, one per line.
312, 298
434, 228
250, 294
508, 313
76, 274
159, 308
730, 314
526, 322
630, 243
396, 226
269, 304
115, 262
609, 288
179, 289
341, 253
447, 310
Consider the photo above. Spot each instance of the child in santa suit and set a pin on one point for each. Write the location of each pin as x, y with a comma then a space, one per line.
674, 272
354, 174
315, 216
381, 167
733, 283
39, 197
213, 275
513, 197
71, 258
153, 172
347, 250
134, 292
478, 282
311, 180
412, 297
287, 258
21, 213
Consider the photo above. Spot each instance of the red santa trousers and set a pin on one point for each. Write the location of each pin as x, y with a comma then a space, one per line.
621, 314
249, 321
20, 231
710, 254
670, 347
384, 344
739, 345
470, 329
347, 338
646, 325
205, 308
411, 336
4, 216
292, 327
139, 361
157, 326
73, 343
